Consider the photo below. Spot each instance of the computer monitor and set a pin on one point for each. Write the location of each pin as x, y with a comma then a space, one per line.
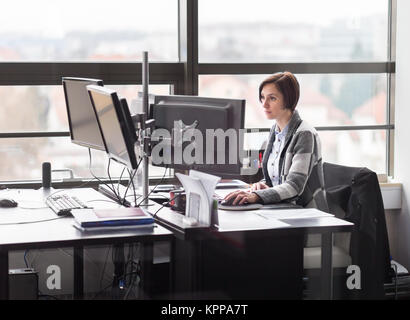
207, 115
82, 121
118, 135
128, 120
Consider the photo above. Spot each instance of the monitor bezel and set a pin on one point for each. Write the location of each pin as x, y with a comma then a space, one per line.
128, 119
97, 82
129, 143
217, 169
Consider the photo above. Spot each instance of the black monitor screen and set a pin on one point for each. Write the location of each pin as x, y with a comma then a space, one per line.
128, 120
118, 140
82, 121
204, 151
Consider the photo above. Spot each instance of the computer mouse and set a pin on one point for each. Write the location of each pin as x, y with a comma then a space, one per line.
228, 202
7, 203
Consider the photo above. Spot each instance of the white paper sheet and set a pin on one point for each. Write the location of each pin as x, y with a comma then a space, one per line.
208, 181
203, 185
194, 185
292, 213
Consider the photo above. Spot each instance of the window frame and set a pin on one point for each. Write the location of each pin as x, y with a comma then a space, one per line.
386, 67
183, 76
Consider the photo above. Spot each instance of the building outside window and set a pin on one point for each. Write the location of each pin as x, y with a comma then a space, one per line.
341, 52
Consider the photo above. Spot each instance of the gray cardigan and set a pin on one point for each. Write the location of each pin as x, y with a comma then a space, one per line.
300, 168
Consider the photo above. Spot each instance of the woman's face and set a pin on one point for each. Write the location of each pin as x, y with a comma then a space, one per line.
273, 102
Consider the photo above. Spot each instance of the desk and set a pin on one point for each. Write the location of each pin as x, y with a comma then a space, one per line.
265, 254
60, 233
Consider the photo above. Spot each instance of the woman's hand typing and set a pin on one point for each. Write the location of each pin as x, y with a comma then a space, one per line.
259, 186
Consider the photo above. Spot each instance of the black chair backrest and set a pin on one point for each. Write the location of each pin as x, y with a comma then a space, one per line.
357, 191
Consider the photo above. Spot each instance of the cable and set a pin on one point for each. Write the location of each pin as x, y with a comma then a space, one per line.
86, 257
132, 182
126, 190
28, 222
121, 200
129, 259
105, 263
133, 273
166, 203
25, 260
101, 200
110, 285
134, 277
118, 260
133, 186
109, 177
33, 260
119, 181
61, 190
162, 179
395, 284
161, 195
99, 180
130, 266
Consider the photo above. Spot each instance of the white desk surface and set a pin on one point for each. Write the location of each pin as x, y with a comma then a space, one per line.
33, 223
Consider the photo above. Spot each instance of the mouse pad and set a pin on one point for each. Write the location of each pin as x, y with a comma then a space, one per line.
251, 206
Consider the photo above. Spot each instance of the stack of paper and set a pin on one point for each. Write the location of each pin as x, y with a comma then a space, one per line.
199, 188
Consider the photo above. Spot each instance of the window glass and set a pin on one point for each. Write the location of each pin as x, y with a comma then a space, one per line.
255, 140
21, 159
75, 30
42, 108
293, 30
356, 148
325, 99
359, 148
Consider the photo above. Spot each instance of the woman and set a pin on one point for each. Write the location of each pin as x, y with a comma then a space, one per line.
292, 162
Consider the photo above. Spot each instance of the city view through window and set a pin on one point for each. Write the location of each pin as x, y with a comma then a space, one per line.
238, 32
305, 31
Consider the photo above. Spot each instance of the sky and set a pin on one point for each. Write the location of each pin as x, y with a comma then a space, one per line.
316, 11
58, 17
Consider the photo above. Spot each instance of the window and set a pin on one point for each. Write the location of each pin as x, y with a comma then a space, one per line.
356, 148
342, 52
293, 30
48, 30
44, 110
327, 100
48, 40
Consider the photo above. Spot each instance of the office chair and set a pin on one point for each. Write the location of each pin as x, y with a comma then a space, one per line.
354, 194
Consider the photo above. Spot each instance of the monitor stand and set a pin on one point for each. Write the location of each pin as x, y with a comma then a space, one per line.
108, 193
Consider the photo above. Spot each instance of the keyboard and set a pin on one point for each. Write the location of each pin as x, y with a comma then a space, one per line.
62, 204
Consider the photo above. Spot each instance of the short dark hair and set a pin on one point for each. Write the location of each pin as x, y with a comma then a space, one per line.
287, 84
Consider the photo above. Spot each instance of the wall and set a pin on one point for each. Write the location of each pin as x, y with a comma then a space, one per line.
399, 222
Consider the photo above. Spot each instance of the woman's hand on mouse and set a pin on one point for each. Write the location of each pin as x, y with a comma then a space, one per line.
242, 197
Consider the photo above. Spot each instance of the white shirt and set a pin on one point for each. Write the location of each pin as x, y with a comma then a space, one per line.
273, 161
